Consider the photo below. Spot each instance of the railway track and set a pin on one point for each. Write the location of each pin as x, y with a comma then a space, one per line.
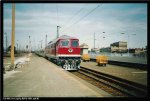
111, 84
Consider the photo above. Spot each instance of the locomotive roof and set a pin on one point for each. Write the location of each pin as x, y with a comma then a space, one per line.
62, 37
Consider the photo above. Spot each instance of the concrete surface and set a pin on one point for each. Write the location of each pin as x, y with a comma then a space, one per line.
41, 78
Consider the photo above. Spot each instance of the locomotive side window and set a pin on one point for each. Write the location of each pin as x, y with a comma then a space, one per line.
74, 43
65, 43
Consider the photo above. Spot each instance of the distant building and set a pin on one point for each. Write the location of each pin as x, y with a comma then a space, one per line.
106, 49
120, 47
96, 50
140, 52
84, 49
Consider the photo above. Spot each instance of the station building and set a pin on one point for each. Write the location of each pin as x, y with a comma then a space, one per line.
95, 50
119, 47
84, 49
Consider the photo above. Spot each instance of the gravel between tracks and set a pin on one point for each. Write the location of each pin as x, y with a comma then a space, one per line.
100, 85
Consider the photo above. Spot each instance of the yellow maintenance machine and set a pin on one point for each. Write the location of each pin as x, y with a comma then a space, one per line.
86, 57
102, 60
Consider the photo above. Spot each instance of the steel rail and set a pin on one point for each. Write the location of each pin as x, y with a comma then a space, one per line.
125, 86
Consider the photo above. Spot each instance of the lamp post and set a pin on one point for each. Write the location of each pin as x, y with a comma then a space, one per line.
17, 47
104, 46
94, 42
95, 39
128, 40
102, 33
29, 44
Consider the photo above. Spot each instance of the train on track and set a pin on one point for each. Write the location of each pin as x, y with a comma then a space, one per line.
65, 52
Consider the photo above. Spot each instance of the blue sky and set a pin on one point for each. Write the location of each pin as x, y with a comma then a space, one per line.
40, 19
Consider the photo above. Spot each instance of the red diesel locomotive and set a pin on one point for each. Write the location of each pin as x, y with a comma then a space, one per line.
65, 52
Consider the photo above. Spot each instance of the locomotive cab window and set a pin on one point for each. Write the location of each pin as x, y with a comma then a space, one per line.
64, 43
74, 43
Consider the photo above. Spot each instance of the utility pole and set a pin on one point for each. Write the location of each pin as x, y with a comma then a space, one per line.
29, 44
103, 39
41, 44
46, 41
94, 41
17, 47
58, 31
12, 36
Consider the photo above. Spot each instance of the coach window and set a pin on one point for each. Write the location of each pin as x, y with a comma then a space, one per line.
64, 43
74, 43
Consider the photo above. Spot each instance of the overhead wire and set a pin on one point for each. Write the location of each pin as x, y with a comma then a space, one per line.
75, 14
83, 17
57, 15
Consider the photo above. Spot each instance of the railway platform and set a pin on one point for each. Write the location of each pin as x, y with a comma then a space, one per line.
122, 58
41, 78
